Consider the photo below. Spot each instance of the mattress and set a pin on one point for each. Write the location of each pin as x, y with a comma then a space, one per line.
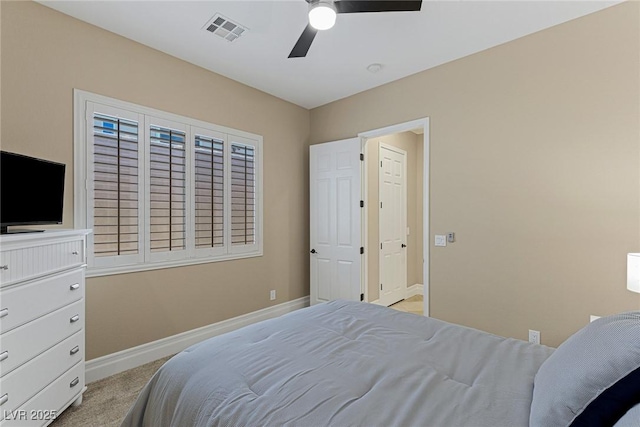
345, 364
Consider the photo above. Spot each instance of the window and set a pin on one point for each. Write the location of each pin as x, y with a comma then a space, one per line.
161, 190
115, 182
242, 195
209, 191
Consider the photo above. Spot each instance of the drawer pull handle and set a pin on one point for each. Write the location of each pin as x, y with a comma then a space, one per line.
74, 350
75, 382
74, 319
74, 286
4, 267
4, 355
74, 253
4, 312
4, 398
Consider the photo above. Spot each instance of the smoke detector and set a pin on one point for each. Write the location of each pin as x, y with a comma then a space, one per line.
225, 28
374, 68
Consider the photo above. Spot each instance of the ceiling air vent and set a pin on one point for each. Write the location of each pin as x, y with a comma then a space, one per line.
225, 28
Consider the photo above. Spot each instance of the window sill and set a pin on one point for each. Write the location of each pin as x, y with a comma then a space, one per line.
134, 268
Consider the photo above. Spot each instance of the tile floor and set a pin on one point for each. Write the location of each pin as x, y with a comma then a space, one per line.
410, 305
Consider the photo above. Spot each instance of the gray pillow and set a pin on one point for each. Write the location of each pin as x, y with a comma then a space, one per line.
631, 418
593, 378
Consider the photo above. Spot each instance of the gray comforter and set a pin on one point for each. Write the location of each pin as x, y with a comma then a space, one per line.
344, 364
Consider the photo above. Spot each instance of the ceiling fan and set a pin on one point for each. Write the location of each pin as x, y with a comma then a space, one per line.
322, 16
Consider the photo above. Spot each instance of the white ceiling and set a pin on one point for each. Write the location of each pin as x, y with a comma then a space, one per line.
335, 67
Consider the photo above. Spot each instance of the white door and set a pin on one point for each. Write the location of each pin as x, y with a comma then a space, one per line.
335, 176
393, 224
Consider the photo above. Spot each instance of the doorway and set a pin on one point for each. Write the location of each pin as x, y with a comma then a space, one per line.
340, 228
410, 228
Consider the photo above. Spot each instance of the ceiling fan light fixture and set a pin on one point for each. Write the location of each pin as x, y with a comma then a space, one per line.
322, 14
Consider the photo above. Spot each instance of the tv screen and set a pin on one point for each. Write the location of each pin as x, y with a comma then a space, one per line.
31, 190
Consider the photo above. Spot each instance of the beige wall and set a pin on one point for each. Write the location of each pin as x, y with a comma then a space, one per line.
45, 55
409, 142
535, 164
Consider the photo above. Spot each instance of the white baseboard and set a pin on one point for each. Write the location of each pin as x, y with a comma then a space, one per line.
413, 290
114, 363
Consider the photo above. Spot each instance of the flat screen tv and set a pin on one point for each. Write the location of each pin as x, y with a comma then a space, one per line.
31, 191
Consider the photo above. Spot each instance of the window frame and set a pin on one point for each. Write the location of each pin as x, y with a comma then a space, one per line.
242, 249
84, 107
212, 251
109, 262
166, 255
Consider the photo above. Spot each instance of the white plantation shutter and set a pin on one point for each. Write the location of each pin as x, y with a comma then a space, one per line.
167, 188
209, 191
163, 190
242, 194
115, 196
243, 203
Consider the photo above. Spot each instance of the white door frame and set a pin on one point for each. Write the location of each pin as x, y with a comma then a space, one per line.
388, 130
403, 153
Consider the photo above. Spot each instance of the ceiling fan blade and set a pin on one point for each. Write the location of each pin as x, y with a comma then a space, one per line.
360, 6
304, 42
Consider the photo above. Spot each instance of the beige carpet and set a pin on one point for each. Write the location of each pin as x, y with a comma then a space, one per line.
106, 402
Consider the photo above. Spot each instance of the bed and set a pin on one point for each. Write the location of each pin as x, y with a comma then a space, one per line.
346, 363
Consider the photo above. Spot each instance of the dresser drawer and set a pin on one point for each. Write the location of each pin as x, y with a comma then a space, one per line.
39, 411
25, 382
21, 304
30, 262
24, 343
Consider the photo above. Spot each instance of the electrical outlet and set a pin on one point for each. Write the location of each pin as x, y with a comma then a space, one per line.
534, 336
272, 295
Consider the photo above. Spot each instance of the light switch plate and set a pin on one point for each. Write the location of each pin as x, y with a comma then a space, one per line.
441, 240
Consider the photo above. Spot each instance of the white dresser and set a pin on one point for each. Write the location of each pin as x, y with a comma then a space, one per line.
41, 325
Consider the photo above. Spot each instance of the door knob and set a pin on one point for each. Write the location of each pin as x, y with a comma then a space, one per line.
404, 246
313, 251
